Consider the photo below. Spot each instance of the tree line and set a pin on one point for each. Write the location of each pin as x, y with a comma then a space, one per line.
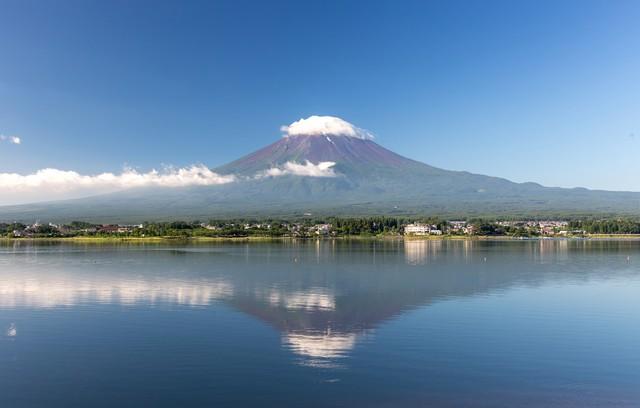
340, 226
620, 226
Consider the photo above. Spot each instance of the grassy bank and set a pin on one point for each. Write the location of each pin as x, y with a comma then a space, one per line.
89, 240
256, 238
614, 236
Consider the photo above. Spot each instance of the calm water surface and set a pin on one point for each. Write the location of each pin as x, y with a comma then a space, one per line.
332, 323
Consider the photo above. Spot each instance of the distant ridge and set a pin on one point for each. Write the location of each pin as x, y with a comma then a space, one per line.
334, 175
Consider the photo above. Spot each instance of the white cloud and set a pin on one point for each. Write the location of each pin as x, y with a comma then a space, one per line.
49, 184
325, 126
308, 169
10, 139
54, 184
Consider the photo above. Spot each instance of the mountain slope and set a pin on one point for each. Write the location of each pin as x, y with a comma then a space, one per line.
360, 177
348, 152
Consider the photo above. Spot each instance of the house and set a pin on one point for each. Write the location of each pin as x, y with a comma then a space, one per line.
457, 226
64, 229
322, 229
108, 229
469, 229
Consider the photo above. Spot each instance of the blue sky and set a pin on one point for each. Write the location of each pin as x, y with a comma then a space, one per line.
531, 91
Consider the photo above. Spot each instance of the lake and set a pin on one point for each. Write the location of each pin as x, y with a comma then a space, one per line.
540, 323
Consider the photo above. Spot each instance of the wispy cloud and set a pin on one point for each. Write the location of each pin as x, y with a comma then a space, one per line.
308, 169
325, 126
48, 184
10, 139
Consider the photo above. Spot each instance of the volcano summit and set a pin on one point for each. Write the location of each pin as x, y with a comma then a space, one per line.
325, 165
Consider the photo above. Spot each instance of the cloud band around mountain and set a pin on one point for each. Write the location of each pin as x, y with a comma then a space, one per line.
54, 184
193, 175
308, 169
51, 184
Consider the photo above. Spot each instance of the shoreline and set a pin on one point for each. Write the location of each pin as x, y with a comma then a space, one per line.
168, 239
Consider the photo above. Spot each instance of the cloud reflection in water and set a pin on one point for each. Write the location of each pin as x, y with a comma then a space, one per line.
48, 292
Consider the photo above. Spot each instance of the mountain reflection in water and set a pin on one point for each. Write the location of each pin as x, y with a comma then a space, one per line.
323, 297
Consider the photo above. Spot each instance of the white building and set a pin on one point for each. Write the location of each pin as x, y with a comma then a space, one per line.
417, 229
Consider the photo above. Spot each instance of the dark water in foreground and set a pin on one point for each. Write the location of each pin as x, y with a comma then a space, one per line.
419, 323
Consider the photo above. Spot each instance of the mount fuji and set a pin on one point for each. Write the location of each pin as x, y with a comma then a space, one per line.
326, 166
